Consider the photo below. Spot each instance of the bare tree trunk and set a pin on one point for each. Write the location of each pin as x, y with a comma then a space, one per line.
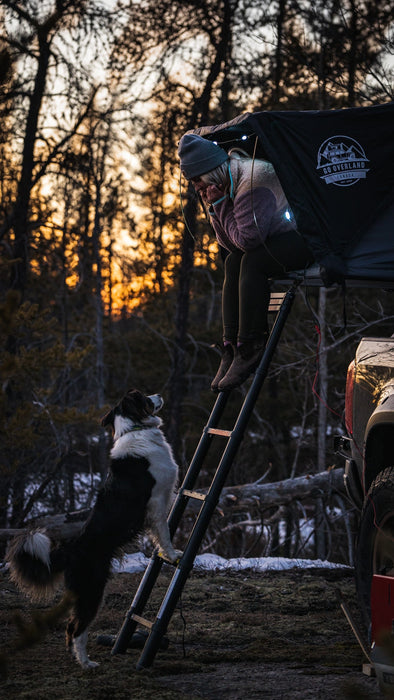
98, 297
351, 83
323, 383
279, 49
100, 365
320, 539
20, 214
177, 379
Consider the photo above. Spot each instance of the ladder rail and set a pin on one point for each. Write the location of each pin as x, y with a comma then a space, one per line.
200, 526
234, 439
153, 570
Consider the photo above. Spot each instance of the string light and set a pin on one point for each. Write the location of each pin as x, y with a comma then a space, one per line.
244, 137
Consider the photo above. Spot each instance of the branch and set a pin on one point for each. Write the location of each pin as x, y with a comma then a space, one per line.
281, 492
58, 527
59, 146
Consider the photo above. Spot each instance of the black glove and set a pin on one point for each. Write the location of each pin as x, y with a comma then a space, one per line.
332, 269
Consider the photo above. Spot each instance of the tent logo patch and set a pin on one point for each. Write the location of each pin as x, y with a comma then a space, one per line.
341, 161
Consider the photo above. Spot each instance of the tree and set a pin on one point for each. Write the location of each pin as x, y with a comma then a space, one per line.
338, 47
91, 115
36, 41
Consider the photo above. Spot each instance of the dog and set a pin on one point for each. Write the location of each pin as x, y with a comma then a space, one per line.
137, 494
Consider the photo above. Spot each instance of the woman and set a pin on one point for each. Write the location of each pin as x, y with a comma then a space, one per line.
254, 224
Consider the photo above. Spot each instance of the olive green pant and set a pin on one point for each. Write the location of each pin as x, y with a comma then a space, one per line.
246, 286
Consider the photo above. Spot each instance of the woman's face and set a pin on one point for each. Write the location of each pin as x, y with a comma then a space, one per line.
199, 185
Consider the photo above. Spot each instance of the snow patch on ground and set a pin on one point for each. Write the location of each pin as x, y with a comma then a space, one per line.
135, 563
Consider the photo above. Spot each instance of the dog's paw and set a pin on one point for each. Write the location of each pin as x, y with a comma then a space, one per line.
178, 555
88, 663
174, 556
79, 652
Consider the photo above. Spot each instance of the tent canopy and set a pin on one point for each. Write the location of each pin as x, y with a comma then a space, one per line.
337, 170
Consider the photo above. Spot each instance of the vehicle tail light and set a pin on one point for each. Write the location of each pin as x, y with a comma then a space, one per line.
351, 373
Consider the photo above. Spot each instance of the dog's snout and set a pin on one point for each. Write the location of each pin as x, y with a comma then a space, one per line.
157, 401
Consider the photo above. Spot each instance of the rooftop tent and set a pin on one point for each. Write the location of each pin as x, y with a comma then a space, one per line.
337, 170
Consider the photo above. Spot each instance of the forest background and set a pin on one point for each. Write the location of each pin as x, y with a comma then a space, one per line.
103, 285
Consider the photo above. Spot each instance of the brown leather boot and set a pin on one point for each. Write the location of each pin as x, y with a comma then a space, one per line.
225, 363
246, 359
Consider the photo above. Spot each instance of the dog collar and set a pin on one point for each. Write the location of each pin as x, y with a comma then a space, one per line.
131, 430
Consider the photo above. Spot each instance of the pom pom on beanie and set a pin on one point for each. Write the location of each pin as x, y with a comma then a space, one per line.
198, 155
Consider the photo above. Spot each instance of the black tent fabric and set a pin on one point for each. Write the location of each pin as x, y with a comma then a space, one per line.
337, 170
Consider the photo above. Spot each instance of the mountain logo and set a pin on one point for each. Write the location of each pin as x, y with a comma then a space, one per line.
341, 161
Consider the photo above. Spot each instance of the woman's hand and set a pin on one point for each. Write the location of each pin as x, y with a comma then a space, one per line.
209, 193
212, 194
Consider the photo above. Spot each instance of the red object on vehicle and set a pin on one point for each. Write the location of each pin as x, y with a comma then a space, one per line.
382, 606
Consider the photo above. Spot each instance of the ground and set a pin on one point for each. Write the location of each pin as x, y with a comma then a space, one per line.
237, 635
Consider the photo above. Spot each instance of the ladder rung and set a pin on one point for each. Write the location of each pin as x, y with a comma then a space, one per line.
276, 300
194, 494
142, 621
218, 431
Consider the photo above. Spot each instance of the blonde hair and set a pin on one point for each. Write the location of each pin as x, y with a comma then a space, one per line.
220, 176
217, 176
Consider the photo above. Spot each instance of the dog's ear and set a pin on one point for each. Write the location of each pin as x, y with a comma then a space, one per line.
108, 419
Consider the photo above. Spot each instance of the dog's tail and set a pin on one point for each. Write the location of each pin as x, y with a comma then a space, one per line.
35, 564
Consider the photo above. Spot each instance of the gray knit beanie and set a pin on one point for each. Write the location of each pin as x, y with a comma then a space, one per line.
198, 155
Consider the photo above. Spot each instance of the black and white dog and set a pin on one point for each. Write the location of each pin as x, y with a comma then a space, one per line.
137, 494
